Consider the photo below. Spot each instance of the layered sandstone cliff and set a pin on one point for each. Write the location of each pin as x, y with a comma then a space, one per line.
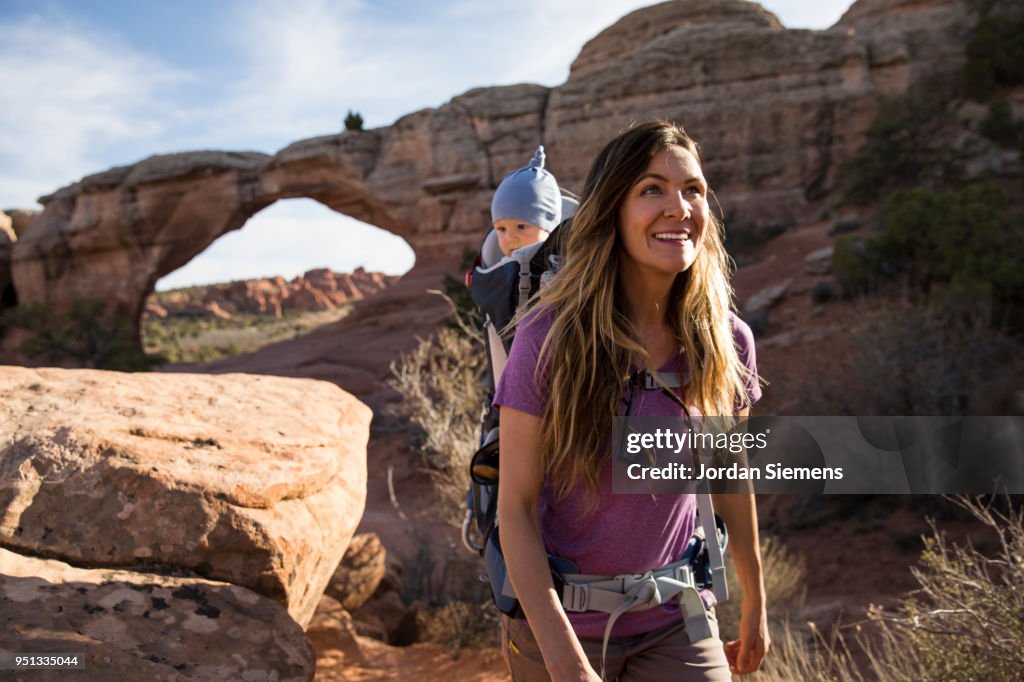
777, 111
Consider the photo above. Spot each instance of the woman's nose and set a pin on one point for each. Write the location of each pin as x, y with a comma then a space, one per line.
677, 206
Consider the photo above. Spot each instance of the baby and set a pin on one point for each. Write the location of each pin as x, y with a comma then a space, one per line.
527, 206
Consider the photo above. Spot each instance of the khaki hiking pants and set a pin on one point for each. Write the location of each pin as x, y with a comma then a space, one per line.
663, 654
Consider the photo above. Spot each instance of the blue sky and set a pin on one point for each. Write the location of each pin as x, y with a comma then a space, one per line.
90, 84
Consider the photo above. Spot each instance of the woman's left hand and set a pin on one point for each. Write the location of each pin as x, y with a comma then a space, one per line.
746, 654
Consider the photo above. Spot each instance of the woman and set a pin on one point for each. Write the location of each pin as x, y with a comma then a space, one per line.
643, 286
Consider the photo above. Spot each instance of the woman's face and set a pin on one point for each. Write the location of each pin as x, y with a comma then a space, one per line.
662, 220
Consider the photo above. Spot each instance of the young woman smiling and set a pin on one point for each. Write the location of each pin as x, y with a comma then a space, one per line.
643, 286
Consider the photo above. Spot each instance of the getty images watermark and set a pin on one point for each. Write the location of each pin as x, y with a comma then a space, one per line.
819, 455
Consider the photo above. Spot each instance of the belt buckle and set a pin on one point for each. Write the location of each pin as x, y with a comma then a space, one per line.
647, 585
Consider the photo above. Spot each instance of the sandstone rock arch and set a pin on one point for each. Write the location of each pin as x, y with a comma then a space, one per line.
777, 110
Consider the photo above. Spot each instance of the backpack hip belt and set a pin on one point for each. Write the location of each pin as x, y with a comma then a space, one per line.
632, 592
629, 592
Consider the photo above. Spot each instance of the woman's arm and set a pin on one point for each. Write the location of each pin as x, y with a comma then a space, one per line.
739, 512
519, 484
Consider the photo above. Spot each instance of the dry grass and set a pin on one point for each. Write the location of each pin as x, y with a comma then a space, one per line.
204, 339
964, 622
912, 359
441, 382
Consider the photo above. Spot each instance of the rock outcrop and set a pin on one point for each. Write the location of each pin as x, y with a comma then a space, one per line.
253, 480
7, 241
777, 111
130, 625
360, 571
20, 218
320, 289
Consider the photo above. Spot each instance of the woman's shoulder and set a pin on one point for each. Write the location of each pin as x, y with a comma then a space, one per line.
741, 332
536, 324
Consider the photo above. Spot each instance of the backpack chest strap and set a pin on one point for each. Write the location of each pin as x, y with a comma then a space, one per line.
654, 381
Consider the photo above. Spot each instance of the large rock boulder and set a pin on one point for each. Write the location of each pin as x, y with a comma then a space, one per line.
128, 625
252, 480
360, 571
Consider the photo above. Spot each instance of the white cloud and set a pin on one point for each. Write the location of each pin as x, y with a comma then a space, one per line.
306, 63
72, 101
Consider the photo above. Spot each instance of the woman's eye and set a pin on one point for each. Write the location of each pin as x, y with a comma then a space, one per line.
695, 191
651, 189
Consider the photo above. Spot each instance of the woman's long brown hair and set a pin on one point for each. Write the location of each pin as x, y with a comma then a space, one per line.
592, 344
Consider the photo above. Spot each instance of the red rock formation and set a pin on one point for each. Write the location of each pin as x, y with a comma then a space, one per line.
778, 112
21, 218
320, 289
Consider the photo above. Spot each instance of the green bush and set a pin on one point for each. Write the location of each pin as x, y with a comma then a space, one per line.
959, 244
999, 125
821, 293
995, 55
859, 264
353, 121
86, 334
901, 149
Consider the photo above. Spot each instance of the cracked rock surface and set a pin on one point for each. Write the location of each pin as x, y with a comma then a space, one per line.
253, 480
128, 625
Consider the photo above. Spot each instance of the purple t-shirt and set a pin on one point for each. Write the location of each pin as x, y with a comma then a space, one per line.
625, 533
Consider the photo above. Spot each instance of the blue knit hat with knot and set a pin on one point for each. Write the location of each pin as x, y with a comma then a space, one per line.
529, 195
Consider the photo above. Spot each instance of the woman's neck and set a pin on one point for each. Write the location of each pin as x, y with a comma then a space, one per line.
647, 300
647, 307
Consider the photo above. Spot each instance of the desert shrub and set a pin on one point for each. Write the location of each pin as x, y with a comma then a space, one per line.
460, 624
902, 149
85, 334
438, 572
995, 54
466, 316
353, 120
822, 293
999, 124
957, 244
205, 338
966, 620
453, 606
442, 392
740, 243
899, 358
860, 264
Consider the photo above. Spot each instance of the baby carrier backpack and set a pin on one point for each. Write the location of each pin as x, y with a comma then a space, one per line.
501, 286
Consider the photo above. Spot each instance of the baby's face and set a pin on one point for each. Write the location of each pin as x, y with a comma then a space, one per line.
515, 234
